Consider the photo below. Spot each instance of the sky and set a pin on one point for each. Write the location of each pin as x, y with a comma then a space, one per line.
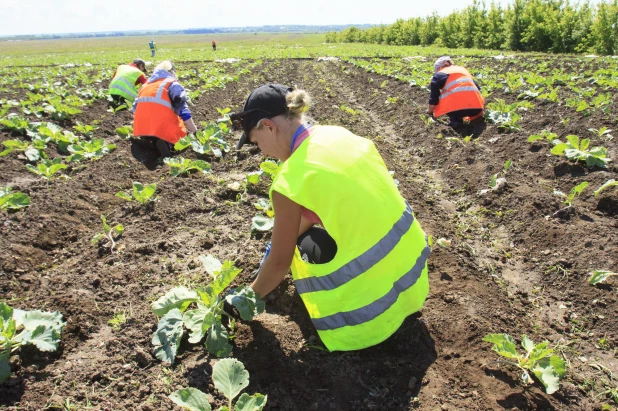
74, 16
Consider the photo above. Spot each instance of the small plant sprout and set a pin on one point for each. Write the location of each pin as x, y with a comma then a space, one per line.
117, 320
539, 359
110, 233
90, 150
260, 222
47, 168
230, 378
599, 276
605, 186
125, 132
543, 135
602, 132
85, 129
573, 194
141, 194
17, 327
180, 166
577, 150
428, 120
205, 319
12, 201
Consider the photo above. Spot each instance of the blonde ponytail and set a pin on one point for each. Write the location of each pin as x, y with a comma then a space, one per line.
298, 102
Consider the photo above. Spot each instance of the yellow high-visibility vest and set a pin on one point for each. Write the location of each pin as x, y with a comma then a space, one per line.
123, 83
379, 275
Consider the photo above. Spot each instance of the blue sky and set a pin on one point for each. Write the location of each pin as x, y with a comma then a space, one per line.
68, 16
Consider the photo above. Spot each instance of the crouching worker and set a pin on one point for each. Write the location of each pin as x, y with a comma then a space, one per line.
454, 92
160, 111
358, 256
126, 81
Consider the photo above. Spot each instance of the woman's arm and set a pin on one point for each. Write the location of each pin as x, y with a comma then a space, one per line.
283, 244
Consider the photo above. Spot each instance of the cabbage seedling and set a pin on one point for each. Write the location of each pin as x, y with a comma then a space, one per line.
18, 327
180, 165
142, 194
47, 168
85, 129
92, 150
577, 150
539, 359
599, 276
12, 201
125, 132
605, 186
230, 378
33, 152
205, 319
110, 233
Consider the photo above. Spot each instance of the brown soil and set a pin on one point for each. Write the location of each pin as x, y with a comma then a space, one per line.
512, 267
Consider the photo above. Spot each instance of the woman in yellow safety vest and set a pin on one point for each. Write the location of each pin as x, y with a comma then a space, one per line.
358, 255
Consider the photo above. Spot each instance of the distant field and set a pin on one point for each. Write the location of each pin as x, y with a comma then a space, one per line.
28, 47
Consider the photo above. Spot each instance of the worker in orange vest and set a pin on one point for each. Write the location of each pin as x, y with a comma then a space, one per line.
161, 111
454, 92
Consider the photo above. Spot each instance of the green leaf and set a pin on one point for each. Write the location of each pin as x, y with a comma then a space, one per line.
584, 144
43, 337
549, 371
507, 165
230, 377
33, 319
503, 345
225, 276
599, 276
606, 185
106, 227
269, 167
573, 140
191, 399
540, 350
217, 340
6, 312
246, 402
198, 322
527, 343
124, 196
254, 178
558, 149
262, 223
247, 302
166, 338
212, 265
32, 154
177, 298
5, 367
493, 180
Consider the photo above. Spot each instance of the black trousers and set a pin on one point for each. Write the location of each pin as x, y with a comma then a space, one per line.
460, 114
316, 246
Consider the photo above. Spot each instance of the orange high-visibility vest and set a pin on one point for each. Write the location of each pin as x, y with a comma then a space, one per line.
154, 115
459, 92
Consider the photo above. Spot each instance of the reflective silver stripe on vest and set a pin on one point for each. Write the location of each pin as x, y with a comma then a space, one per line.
459, 90
161, 88
379, 306
362, 263
154, 100
450, 84
130, 91
158, 97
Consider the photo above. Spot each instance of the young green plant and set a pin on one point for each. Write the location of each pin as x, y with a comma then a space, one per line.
180, 166
230, 378
205, 319
141, 194
538, 359
110, 233
12, 201
18, 327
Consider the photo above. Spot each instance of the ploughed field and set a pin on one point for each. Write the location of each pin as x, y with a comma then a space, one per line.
515, 263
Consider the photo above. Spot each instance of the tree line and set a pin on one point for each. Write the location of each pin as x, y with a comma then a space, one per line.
553, 26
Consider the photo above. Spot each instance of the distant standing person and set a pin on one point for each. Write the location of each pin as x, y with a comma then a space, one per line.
127, 80
214, 45
160, 111
454, 92
153, 47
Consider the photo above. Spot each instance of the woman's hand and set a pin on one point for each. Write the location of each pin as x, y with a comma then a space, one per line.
284, 238
190, 125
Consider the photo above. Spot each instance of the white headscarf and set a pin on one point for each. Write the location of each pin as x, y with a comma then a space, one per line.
441, 62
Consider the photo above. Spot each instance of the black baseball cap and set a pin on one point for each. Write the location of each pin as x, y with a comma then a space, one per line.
266, 101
